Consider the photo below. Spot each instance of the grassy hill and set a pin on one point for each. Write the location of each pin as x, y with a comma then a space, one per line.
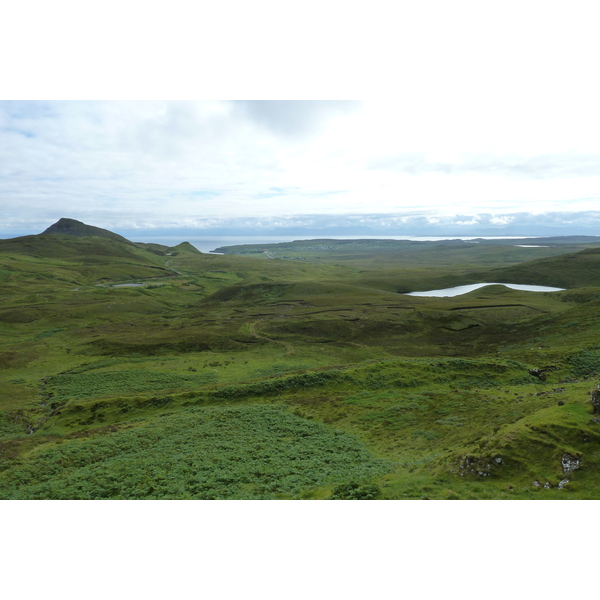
66, 260
307, 374
577, 269
79, 229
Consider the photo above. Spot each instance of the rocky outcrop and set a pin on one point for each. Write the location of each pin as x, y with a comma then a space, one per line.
539, 373
569, 463
480, 467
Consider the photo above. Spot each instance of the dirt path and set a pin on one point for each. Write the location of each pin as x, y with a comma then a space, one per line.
172, 268
259, 336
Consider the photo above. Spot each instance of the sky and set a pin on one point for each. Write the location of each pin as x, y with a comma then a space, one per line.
478, 119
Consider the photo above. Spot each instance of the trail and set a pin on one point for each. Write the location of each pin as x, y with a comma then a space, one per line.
289, 348
172, 268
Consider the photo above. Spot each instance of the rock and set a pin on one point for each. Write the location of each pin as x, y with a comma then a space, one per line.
569, 463
561, 403
595, 400
539, 373
562, 483
537, 484
547, 485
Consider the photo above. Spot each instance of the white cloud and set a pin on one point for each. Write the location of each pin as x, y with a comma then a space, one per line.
504, 220
143, 164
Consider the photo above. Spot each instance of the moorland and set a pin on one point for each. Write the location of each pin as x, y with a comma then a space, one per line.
297, 371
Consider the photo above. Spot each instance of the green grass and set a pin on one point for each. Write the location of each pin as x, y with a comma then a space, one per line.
233, 350
90, 385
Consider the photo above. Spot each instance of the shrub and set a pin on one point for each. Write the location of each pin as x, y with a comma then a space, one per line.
244, 452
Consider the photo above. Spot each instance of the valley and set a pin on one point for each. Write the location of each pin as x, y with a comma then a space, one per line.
297, 371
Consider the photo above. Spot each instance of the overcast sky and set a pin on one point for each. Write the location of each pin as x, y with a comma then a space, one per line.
491, 116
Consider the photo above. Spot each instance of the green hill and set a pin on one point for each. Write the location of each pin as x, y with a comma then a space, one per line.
576, 269
162, 250
79, 229
65, 259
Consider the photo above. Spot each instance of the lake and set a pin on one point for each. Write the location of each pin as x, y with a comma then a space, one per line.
464, 289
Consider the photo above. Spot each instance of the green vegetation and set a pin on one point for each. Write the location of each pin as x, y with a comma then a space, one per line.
311, 376
257, 452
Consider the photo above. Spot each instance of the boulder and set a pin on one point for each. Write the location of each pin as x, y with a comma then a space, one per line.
539, 373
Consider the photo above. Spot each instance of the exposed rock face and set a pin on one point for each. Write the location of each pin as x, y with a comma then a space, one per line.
595, 400
481, 467
569, 463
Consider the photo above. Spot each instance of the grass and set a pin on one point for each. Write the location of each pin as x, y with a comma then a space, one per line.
103, 383
111, 392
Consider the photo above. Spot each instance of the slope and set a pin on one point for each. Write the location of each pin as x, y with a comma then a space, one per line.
576, 269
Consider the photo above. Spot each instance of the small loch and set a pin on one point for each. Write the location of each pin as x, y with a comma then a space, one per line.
465, 289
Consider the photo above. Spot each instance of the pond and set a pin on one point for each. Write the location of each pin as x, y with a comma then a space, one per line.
464, 289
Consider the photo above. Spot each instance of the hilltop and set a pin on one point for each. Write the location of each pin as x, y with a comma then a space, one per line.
77, 228
71, 227
161, 250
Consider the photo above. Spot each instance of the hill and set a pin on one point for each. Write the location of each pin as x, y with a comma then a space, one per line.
77, 228
162, 250
66, 260
575, 269
71, 252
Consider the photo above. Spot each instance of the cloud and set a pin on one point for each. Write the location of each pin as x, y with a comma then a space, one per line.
540, 166
391, 225
293, 118
160, 163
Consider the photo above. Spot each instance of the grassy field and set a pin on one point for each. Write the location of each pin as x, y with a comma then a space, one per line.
297, 370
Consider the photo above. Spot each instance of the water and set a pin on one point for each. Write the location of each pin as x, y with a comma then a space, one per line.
464, 289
